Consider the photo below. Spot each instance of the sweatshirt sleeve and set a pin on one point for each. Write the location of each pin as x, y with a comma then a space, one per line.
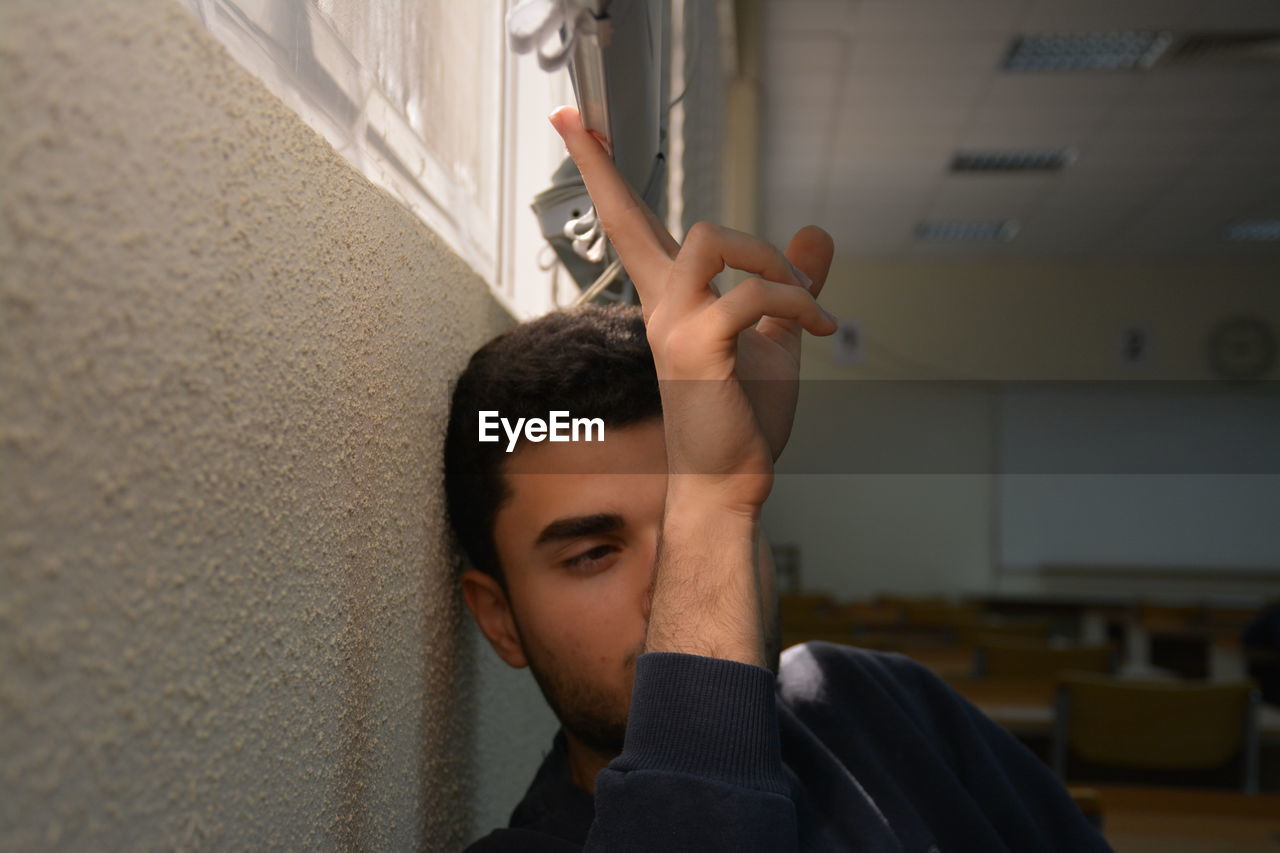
701, 767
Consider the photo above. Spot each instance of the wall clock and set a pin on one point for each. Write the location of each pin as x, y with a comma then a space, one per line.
1242, 347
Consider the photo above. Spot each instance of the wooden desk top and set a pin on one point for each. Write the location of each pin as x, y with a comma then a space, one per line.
951, 663
1192, 802
1172, 820
1026, 707
1000, 691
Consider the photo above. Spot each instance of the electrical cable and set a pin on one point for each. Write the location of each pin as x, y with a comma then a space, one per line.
688, 74
606, 278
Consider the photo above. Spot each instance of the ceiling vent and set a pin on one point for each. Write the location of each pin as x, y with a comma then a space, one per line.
1013, 160
1113, 51
1260, 47
960, 231
1253, 231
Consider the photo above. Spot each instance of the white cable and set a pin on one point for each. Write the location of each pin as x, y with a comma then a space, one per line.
606, 278
586, 236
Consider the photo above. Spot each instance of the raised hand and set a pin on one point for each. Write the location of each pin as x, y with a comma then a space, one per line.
728, 368
751, 336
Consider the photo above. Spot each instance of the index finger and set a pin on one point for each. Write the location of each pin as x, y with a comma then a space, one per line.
621, 213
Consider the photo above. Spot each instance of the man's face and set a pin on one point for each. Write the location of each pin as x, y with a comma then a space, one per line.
578, 550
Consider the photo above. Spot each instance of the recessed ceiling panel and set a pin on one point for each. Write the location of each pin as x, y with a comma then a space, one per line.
1235, 15
953, 16
809, 16
975, 197
866, 104
929, 52
1096, 15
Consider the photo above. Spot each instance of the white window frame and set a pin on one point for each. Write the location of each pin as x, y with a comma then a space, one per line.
507, 250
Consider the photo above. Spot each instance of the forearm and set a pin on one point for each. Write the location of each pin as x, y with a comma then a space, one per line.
767, 572
707, 590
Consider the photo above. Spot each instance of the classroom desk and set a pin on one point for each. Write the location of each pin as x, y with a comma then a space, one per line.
1023, 707
1026, 707
1171, 820
948, 662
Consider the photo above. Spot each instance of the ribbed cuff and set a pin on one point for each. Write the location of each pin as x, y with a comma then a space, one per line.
706, 717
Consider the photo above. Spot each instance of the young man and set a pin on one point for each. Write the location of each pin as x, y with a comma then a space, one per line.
629, 575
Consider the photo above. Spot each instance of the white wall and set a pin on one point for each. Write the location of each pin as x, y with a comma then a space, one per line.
228, 617
885, 486
862, 535
514, 728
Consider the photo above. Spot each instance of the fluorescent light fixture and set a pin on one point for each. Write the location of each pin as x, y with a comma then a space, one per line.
1013, 160
959, 231
1117, 51
1253, 231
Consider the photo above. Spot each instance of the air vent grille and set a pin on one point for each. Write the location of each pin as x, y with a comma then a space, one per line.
1030, 160
1114, 51
960, 231
1253, 231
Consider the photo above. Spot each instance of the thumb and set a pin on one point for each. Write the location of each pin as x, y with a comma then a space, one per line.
811, 249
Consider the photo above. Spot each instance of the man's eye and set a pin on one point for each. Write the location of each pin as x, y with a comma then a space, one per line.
591, 559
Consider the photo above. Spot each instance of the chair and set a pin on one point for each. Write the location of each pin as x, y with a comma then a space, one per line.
811, 616
1156, 618
1157, 725
1178, 637
802, 606
992, 630
871, 614
1230, 620
1090, 805
938, 613
1011, 659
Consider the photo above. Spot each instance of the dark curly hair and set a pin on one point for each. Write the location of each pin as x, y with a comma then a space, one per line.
593, 360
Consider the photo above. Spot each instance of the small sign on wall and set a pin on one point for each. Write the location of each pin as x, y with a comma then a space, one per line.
848, 343
1135, 345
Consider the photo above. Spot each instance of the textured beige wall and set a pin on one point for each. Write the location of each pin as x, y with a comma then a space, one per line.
226, 617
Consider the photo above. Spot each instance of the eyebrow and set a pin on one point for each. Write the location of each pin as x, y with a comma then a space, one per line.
579, 525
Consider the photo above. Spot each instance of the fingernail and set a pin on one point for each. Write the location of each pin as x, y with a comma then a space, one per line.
800, 276
835, 321
552, 117
604, 143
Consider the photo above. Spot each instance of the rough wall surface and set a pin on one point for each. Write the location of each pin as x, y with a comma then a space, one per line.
226, 617
514, 728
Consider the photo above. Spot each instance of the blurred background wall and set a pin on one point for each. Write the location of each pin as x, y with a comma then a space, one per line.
900, 459
1034, 259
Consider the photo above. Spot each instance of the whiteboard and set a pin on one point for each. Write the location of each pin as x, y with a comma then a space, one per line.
1149, 474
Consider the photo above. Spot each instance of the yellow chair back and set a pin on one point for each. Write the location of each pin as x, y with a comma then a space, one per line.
990, 630
939, 614
1155, 725
1008, 659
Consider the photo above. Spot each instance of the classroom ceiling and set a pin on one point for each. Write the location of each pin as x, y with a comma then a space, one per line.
865, 103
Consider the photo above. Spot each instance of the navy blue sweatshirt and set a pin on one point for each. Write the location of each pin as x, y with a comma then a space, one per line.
845, 749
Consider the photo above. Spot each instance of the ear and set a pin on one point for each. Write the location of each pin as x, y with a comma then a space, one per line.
492, 611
